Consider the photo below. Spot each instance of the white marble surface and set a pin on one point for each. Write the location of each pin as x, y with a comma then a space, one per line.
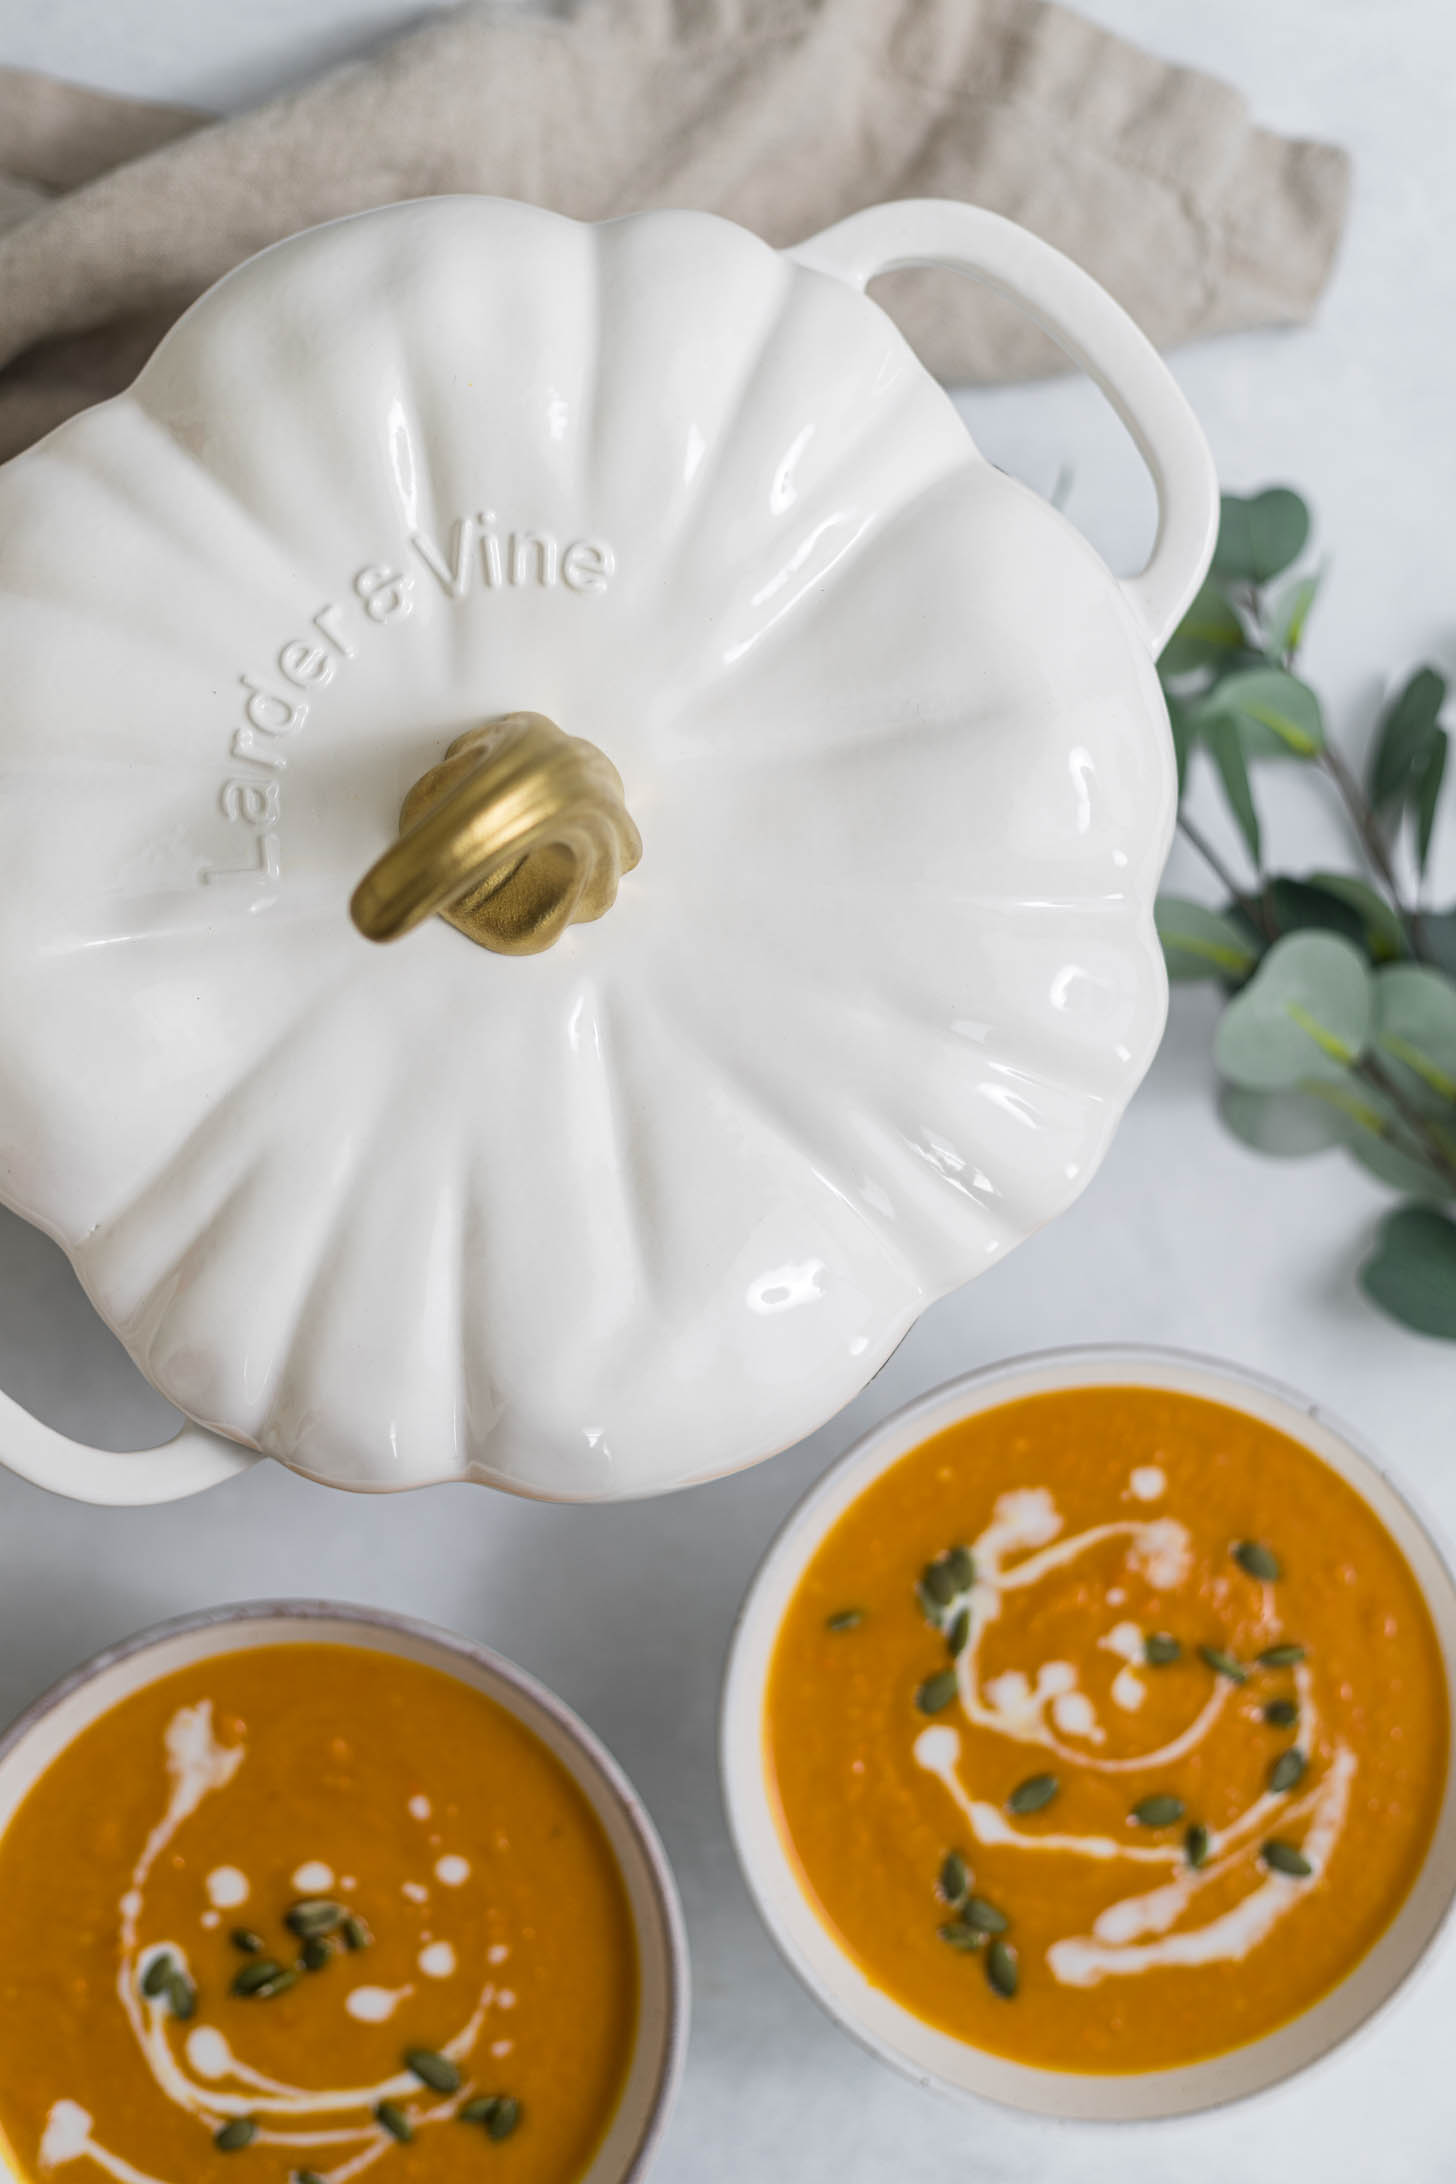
1183, 1238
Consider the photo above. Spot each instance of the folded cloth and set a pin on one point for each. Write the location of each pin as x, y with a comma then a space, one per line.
781, 114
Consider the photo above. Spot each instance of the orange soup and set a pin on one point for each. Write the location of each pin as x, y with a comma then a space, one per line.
310, 1912
1108, 1729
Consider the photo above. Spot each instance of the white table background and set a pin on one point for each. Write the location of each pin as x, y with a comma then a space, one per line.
1183, 1238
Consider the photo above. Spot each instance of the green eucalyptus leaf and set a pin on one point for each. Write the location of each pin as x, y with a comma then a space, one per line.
1376, 1136
1396, 1160
1290, 613
1285, 1125
1384, 936
1405, 738
1414, 1026
1305, 1014
1438, 937
1428, 794
1298, 906
1209, 635
1411, 1274
1201, 943
1259, 536
1222, 739
1277, 715
1365, 1109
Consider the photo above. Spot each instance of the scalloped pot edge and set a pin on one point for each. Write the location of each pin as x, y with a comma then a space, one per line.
644, 1208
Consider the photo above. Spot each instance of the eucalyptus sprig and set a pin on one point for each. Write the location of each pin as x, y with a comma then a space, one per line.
1340, 1027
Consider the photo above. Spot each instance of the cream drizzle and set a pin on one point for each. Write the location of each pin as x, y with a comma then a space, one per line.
1079, 1962
313, 1877
375, 2005
1158, 1547
1128, 1690
68, 2138
1029, 1520
226, 1888
198, 1765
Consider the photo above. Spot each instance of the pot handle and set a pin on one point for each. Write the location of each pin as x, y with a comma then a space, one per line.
192, 1460
1095, 332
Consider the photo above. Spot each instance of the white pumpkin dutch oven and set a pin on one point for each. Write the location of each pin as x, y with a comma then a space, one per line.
884, 731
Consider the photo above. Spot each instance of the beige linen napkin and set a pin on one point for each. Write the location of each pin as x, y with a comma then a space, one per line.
782, 114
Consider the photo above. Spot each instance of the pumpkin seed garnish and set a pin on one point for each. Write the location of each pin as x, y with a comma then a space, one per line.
313, 1918
182, 1996
1160, 1810
254, 1977
1195, 1844
1160, 1647
1030, 1796
1287, 1770
1003, 1972
156, 1976
1258, 1561
844, 1619
395, 2121
1284, 1858
262, 1978
1281, 1713
356, 1934
316, 1954
1281, 1656
251, 1944
961, 1935
937, 1588
435, 2071
954, 1878
499, 2112
505, 2118
984, 1916
959, 1632
1223, 1664
937, 1691
962, 1566
305, 2176
235, 2135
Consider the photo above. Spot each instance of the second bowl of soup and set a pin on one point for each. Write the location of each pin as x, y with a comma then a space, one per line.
1086, 1736
299, 1894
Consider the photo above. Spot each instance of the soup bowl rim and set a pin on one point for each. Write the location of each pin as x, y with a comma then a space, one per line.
1144, 2097
608, 1780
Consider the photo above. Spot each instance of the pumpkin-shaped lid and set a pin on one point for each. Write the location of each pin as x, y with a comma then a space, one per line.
577, 540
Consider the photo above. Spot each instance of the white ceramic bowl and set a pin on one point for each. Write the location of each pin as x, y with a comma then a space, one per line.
55, 1720
934, 2058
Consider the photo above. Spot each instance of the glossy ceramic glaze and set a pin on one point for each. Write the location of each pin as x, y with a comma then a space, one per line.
872, 2015
626, 2152
651, 1206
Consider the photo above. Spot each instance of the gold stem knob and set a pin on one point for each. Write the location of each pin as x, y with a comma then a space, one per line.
519, 832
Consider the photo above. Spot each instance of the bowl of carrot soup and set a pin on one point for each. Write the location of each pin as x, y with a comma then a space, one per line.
299, 1894
1086, 1736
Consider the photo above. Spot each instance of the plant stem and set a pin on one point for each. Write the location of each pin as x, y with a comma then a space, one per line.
1372, 841
1362, 817
1252, 906
1432, 1147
